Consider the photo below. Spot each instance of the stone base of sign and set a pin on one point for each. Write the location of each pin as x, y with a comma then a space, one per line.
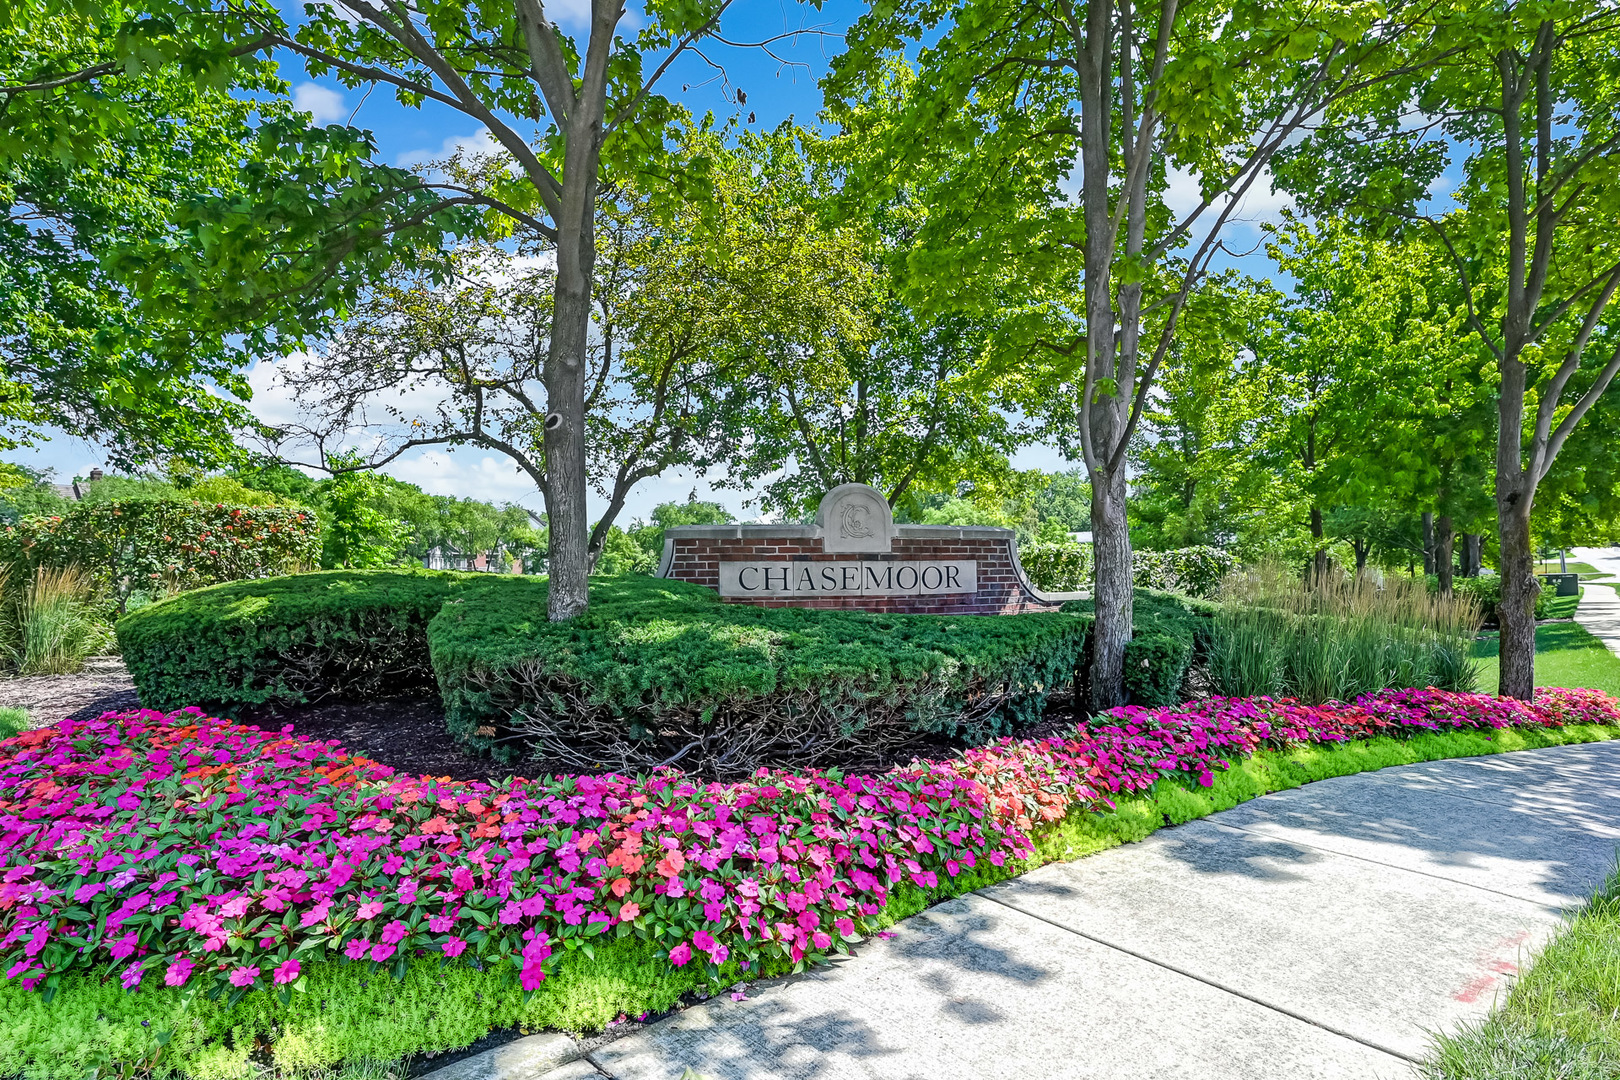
697, 553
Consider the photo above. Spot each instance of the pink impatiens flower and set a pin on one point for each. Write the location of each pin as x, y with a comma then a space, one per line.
244, 976
680, 955
287, 971
178, 972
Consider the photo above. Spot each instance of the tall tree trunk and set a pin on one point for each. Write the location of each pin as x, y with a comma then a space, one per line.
1319, 560
1110, 358
1516, 611
1112, 628
1428, 542
567, 512
1444, 539
1470, 555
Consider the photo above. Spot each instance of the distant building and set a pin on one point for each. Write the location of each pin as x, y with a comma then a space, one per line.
74, 491
497, 561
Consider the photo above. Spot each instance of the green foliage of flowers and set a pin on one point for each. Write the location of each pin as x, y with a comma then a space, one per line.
340, 1014
339, 633
163, 544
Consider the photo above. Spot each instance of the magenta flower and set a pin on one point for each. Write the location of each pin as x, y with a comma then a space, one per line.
287, 971
178, 972
455, 947
243, 976
680, 954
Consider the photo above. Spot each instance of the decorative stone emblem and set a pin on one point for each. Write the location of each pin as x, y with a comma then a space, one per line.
855, 517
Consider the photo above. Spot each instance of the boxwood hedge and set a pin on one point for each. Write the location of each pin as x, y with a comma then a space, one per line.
289, 640
656, 672
1171, 635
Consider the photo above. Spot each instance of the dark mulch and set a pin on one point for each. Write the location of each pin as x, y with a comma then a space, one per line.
407, 734
103, 686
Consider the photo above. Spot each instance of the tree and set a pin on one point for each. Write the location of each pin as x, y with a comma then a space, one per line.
649, 535
1529, 91
157, 237
574, 116
676, 335
901, 407
1206, 465
1011, 96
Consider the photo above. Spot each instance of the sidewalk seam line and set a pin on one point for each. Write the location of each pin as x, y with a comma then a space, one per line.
1392, 866
1330, 1029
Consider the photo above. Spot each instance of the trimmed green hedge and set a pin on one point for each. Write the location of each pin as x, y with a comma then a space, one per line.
1171, 633
289, 640
662, 672
656, 672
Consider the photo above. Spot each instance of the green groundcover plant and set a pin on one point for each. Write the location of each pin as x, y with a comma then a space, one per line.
183, 895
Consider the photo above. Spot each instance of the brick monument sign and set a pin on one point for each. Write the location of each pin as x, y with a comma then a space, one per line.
856, 557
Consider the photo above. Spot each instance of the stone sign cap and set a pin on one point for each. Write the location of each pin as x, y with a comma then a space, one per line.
855, 517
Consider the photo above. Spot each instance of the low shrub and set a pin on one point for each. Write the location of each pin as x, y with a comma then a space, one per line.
661, 672
1057, 567
1172, 634
266, 897
1195, 571
336, 633
163, 544
1486, 590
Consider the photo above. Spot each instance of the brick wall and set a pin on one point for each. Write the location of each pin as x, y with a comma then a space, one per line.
694, 553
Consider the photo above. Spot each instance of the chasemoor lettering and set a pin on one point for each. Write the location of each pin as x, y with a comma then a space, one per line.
849, 577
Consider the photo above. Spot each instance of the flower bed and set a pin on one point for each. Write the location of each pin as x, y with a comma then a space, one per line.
188, 851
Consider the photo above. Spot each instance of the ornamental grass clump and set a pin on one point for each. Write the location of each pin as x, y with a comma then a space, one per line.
1335, 639
48, 626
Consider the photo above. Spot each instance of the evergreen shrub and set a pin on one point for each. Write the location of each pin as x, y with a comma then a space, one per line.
662, 672
1172, 635
287, 640
656, 672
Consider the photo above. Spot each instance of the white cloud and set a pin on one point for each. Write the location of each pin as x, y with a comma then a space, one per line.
324, 104
1182, 194
479, 142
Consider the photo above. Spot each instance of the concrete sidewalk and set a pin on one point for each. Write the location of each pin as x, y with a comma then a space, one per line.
1321, 932
1599, 610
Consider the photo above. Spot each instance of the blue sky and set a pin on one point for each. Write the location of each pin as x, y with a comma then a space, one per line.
778, 84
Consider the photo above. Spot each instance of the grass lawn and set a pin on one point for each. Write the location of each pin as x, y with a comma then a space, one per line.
1586, 570
1561, 1020
1563, 607
1566, 655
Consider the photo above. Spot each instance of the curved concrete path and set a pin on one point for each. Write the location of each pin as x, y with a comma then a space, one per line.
1599, 610
1321, 932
